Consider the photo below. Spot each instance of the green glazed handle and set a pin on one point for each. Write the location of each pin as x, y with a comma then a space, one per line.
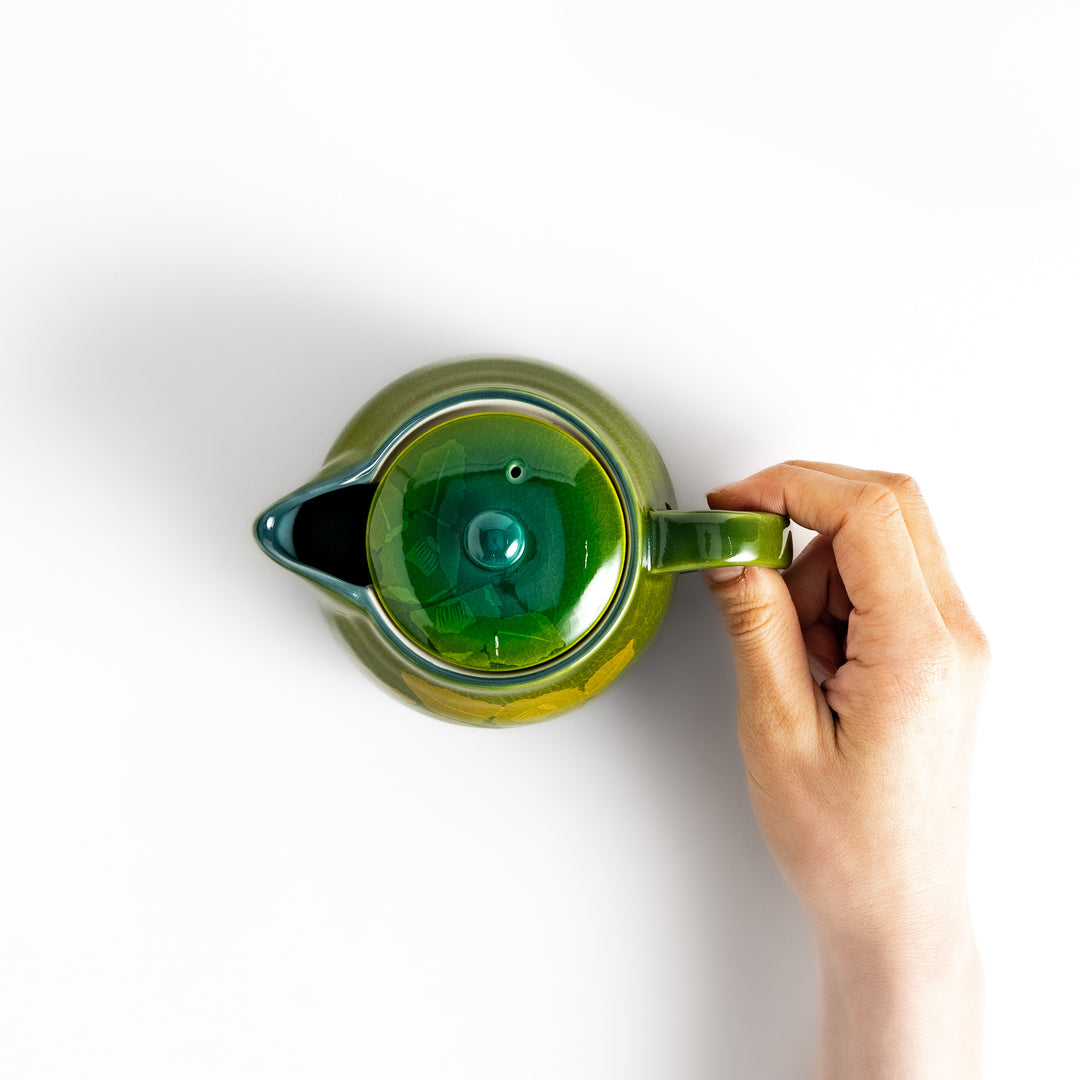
694, 539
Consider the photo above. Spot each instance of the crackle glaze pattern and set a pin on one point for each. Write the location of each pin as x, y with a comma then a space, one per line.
466, 495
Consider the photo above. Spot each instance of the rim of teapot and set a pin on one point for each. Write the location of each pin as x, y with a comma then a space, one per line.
273, 528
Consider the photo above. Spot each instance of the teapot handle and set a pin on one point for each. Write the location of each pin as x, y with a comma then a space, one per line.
681, 540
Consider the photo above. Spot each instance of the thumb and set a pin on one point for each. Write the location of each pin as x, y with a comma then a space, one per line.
771, 665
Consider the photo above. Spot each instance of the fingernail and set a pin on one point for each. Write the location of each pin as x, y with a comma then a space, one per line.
718, 575
820, 668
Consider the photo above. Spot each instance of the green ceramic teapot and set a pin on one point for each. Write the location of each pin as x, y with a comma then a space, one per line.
495, 539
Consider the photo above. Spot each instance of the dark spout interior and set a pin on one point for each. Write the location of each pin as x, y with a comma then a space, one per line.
330, 533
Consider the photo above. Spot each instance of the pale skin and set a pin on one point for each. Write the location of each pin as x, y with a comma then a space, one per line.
859, 674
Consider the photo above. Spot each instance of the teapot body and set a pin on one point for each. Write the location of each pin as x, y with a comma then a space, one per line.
420, 402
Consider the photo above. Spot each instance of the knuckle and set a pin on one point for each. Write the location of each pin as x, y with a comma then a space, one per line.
877, 502
903, 486
787, 469
748, 616
971, 644
977, 646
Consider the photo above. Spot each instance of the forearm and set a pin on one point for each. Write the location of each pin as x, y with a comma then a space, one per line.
900, 1021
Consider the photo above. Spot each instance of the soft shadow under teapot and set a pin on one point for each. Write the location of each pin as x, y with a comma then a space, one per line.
495, 539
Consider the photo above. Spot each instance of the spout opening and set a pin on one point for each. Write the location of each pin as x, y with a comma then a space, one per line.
329, 533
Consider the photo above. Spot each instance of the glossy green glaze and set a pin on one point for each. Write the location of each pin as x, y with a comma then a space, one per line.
681, 540
386, 608
496, 541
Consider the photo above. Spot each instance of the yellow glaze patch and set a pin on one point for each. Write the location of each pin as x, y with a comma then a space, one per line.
470, 710
607, 671
534, 708
450, 702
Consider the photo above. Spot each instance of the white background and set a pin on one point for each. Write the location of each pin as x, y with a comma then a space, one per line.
839, 231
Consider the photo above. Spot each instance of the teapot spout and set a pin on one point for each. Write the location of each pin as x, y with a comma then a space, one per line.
320, 532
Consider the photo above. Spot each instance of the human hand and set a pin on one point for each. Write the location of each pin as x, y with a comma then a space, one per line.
859, 673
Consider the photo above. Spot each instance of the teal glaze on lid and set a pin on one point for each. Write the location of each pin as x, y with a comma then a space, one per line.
496, 541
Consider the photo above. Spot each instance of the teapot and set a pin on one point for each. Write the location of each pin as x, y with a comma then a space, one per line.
496, 540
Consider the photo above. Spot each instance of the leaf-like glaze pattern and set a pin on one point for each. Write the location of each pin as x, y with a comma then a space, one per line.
512, 614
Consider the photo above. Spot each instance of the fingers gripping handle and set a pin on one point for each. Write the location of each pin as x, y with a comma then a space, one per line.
695, 539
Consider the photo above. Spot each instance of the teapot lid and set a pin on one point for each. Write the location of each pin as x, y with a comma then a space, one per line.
496, 541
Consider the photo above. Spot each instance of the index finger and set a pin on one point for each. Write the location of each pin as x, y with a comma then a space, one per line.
924, 536
874, 551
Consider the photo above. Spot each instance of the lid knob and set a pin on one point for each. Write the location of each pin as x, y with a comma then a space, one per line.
494, 540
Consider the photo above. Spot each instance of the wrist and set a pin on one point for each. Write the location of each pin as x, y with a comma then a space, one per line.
901, 1013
